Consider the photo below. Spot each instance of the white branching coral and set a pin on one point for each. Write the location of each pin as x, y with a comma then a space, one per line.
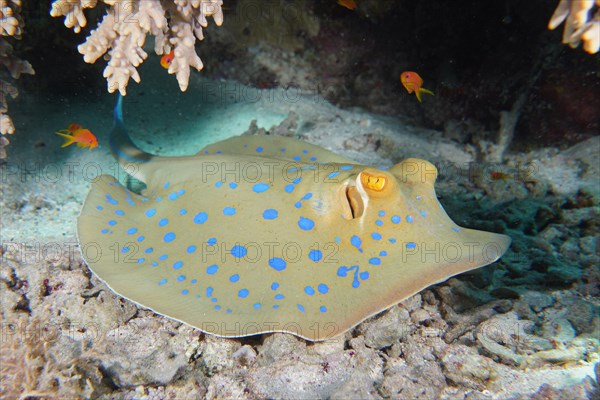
175, 24
10, 26
582, 23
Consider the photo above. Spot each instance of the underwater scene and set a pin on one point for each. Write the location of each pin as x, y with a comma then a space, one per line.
300, 199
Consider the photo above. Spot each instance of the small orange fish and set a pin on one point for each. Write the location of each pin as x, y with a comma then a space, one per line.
413, 82
349, 4
500, 176
167, 59
75, 133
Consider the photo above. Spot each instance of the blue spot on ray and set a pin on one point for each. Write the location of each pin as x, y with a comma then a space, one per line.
395, 219
211, 270
260, 187
323, 288
229, 211
270, 213
356, 242
309, 290
169, 237
239, 251
411, 245
315, 255
243, 293
274, 286
177, 264
163, 222
233, 185
278, 264
375, 261
358, 276
409, 219
234, 278
200, 218
306, 223
111, 200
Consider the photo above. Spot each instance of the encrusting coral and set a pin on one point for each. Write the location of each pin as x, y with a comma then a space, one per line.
10, 25
175, 24
581, 23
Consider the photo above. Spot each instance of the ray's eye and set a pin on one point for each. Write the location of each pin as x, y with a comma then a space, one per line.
373, 182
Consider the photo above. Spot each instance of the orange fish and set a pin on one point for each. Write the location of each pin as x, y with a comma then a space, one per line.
499, 176
75, 133
167, 59
413, 82
349, 4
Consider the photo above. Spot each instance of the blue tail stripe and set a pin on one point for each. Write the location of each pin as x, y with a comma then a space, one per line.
121, 145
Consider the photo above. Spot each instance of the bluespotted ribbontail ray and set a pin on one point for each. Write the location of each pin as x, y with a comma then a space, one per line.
260, 234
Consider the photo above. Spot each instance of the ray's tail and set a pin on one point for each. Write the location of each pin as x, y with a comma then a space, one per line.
130, 157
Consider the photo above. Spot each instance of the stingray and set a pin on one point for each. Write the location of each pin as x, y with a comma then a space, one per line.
259, 234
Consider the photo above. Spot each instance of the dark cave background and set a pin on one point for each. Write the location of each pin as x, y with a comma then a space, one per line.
477, 57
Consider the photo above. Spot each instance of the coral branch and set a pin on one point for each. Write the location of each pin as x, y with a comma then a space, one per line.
582, 24
10, 26
175, 24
